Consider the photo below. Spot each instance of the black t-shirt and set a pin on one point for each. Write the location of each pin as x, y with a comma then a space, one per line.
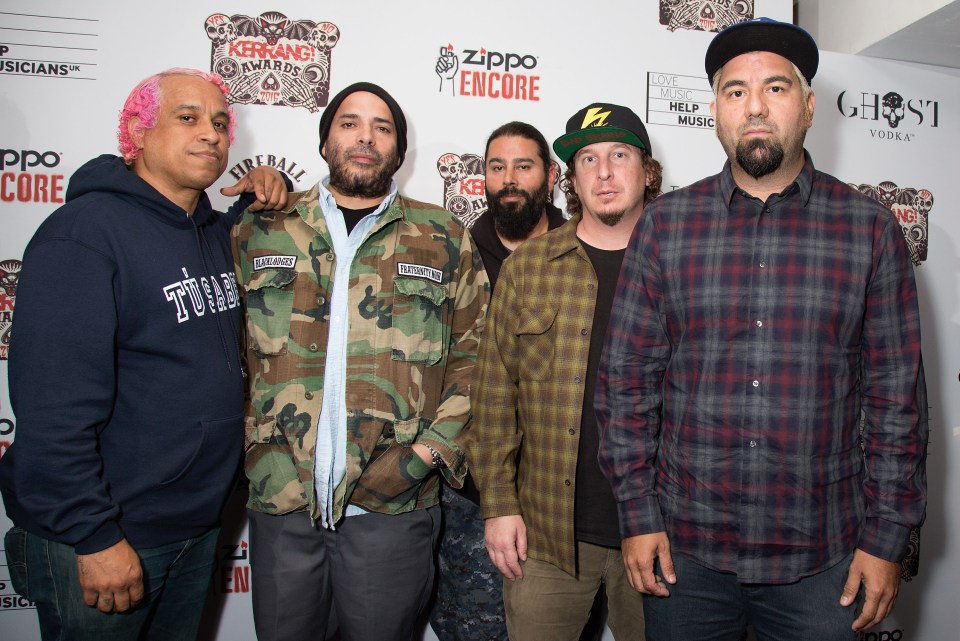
353, 216
595, 511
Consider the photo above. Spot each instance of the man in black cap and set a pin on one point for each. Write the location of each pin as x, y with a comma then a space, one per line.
551, 521
363, 309
760, 314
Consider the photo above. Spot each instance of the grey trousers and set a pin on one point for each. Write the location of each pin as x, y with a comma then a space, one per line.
371, 577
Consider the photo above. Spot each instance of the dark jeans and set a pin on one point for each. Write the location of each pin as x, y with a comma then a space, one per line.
705, 605
372, 576
176, 578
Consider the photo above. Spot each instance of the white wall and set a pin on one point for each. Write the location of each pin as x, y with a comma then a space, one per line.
618, 52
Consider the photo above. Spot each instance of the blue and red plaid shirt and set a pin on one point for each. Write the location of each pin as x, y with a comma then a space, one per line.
746, 339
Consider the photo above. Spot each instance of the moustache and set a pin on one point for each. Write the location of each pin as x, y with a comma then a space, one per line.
511, 191
363, 150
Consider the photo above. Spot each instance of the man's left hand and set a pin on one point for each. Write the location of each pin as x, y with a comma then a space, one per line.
266, 183
881, 583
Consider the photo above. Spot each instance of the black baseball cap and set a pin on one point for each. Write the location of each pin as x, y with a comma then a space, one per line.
601, 122
763, 34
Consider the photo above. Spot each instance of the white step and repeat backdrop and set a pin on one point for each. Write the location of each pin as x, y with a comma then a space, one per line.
459, 70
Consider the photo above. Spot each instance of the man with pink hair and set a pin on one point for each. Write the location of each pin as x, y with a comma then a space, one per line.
126, 378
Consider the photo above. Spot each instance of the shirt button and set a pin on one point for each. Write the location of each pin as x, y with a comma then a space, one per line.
753, 443
308, 395
583, 332
321, 300
576, 379
759, 323
763, 263
313, 347
589, 285
756, 383
330, 257
566, 482
572, 431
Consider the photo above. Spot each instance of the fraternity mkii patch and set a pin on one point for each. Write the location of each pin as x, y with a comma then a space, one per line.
274, 262
420, 271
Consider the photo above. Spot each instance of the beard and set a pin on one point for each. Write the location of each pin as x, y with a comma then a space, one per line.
759, 157
368, 182
610, 219
515, 221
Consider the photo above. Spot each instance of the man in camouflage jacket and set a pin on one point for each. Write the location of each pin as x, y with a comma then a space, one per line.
363, 313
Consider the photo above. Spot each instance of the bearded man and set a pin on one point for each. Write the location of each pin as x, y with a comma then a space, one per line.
551, 520
363, 309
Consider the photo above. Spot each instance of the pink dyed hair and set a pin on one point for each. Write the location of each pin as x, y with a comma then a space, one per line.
144, 103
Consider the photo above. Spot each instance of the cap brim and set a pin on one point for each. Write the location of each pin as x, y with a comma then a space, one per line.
568, 144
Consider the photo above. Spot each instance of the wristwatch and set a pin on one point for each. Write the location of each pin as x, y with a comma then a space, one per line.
437, 459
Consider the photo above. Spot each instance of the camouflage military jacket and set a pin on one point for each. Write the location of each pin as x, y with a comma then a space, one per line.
417, 300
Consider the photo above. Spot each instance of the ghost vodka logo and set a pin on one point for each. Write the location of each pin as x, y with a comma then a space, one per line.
898, 113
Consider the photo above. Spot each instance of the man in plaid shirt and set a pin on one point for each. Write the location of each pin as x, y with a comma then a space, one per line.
551, 520
759, 313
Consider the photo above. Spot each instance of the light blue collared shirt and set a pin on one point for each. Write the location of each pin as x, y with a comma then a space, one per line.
330, 461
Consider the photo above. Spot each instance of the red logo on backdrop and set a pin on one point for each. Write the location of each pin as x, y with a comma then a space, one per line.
233, 569
6, 429
23, 179
704, 15
464, 187
911, 207
9, 275
488, 74
273, 60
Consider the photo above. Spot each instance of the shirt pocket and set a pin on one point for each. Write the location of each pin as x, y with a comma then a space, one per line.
418, 321
536, 338
269, 299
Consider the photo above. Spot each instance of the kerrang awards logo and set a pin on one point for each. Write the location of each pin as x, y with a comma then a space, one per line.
704, 15
483, 73
911, 207
273, 60
464, 186
9, 275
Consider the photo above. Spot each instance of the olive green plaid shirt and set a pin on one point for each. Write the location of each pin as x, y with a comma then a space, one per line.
529, 391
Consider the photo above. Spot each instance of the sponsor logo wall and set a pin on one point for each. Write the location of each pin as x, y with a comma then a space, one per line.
888, 129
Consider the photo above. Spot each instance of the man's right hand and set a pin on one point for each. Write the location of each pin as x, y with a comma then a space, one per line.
506, 539
111, 579
639, 553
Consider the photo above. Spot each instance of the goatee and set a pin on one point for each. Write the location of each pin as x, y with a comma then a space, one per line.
611, 219
759, 157
515, 221
371, 182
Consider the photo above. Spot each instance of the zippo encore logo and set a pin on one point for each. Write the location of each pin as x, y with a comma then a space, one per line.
23, 178
483, 73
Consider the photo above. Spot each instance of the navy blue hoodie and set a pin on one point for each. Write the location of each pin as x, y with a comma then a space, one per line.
124, 368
